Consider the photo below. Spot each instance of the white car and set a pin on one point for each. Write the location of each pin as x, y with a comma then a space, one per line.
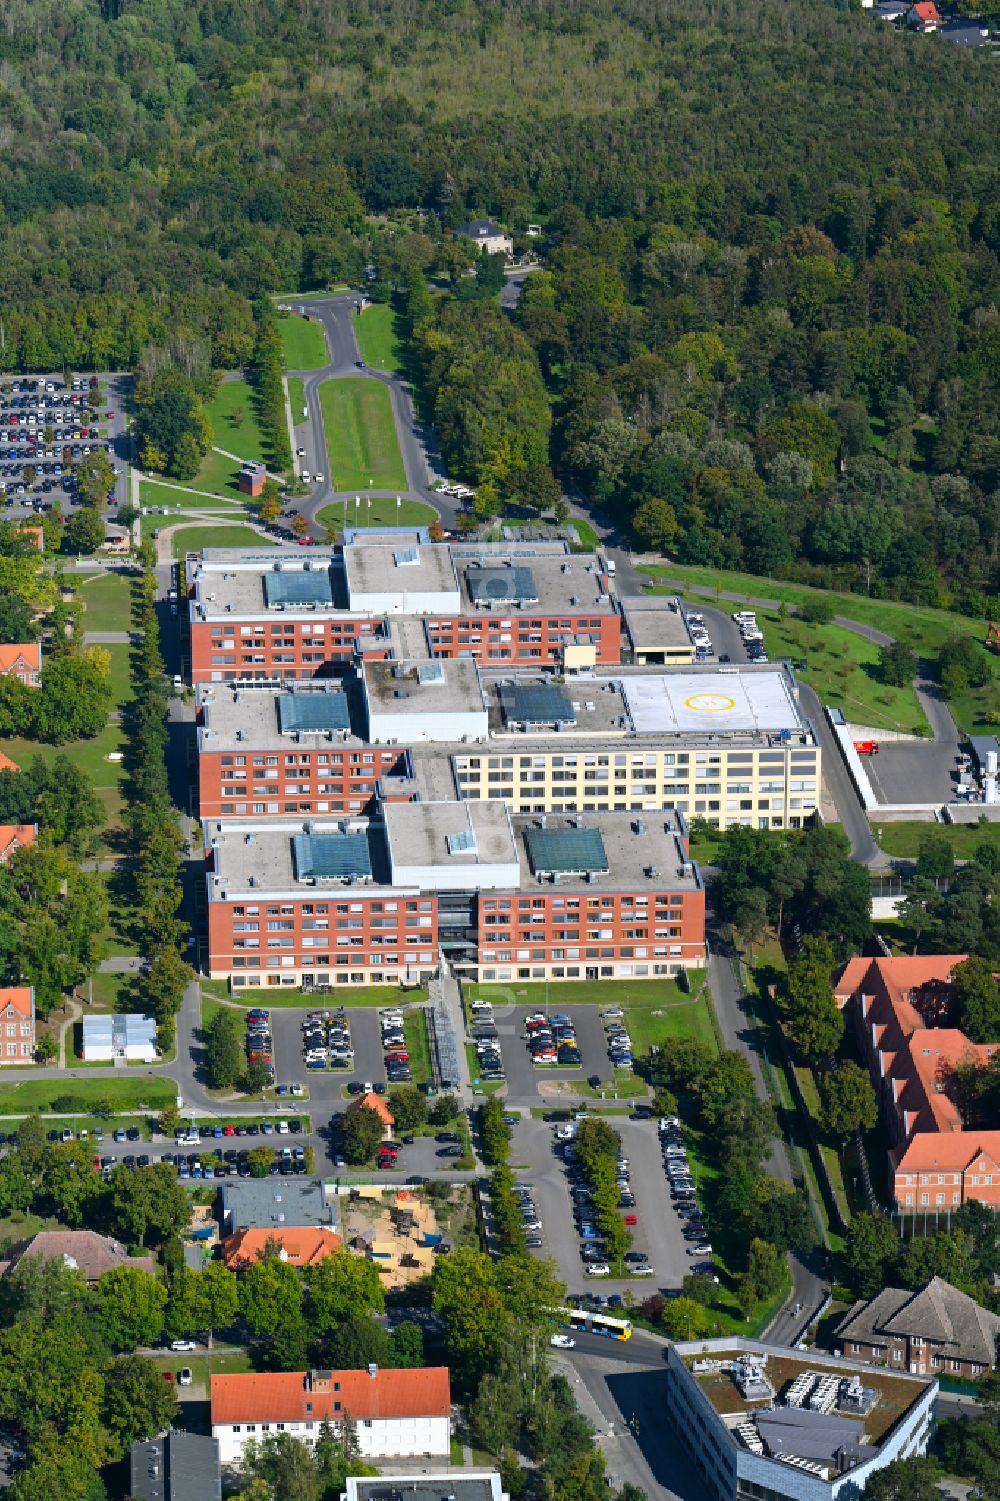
297, 1091
704, 1250
562, 1342
183, 1346
304, 474
644, 1271
599, 1269
185, 1376
300, 453
320, 479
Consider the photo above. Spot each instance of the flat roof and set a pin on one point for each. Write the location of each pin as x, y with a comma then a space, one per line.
249, 719
298, 586
400, 566
249, 586
715, 702
653, 621
536, 703
895, 1394
418, 687
449, 835
619, 850
292, 855
484, 1486
260, 1203
554, 584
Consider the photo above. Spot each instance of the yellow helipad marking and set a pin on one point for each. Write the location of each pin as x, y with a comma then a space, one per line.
709, 703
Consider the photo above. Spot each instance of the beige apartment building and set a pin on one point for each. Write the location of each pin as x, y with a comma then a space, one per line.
731, 747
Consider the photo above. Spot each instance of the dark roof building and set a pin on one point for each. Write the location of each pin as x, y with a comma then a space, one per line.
176, 1467
936, 1330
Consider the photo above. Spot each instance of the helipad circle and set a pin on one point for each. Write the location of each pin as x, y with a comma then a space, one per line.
709, 703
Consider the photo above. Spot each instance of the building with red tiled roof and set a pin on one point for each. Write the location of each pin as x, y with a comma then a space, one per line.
375, 1102
22, 661
14, 837
897, 1005
302, 1246
396, 1414
924, 16
6, 764
17, 1025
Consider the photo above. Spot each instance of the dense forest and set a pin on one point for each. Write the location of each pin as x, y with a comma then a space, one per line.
768, 322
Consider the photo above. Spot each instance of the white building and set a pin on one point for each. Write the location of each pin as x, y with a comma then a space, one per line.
421, 702
119, 1039
451, 846
396, 1414
772, 1424
456, 1485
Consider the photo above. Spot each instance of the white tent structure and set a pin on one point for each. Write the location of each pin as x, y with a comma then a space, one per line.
119, 1039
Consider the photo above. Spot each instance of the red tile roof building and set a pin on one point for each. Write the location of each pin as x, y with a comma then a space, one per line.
14, 837
302, 1246
22, 661
17, 1025
397, 1414
896, 1004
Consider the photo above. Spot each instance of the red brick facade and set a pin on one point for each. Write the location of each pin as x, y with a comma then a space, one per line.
299, 779
275, 647
524, 640
586, 934
336, 936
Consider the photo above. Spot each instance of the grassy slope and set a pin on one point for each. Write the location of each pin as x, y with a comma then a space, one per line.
152, 493
361, 435
843, 668
922, 628
903, 839
121, 1094
108, 601
235, 399
297, 398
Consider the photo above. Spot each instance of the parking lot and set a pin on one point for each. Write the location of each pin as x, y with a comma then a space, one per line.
914, 771
658, 1232
47, 427
286, 1032
524, 1076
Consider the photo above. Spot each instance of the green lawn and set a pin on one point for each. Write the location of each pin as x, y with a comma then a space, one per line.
108, 601
233, 413
491, 1085
342, 995
154, 493
923, 629
303, 342
843, 669
562, 993
121, 1094
297, 399
418, 1045
361, 435
379, 332
193, 538
588, 537
383, 511
665, 1012
104, 989
218, 476
903, 839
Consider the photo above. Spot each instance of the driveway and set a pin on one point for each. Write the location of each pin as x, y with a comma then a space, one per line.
416, 442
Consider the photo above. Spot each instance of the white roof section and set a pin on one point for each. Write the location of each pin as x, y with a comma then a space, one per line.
710, 703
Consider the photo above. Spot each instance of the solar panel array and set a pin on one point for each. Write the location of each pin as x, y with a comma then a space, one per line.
331, 856
536, 703
313, 712
565, 851
298, 587
488, 585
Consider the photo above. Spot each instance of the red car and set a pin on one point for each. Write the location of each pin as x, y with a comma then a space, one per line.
229, 1130
109, 416
399, 1055
631, 1219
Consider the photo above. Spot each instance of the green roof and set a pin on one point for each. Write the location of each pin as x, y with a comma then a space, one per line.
565, 851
